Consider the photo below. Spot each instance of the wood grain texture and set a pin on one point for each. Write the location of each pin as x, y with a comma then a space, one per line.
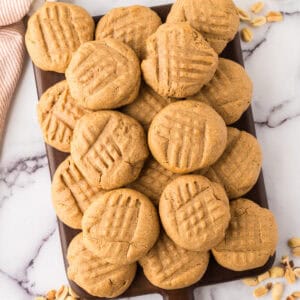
141, 286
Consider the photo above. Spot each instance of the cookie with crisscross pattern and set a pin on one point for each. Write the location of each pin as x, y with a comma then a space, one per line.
58, 113
194, 212
131, 25
239, 166
71, 193
120, 226
104, 74
229, 92
54, 32
178, 61
97, 277
169, 266
217, 20
250, 239
109, 148
186, 136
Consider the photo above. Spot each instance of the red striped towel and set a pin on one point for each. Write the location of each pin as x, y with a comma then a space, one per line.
11, 51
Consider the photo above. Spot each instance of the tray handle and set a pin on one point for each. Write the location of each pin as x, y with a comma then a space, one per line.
182, 294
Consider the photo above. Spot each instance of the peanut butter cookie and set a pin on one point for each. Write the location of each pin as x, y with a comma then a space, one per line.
169, 266
178, 61
251, 237
146, 106
131, 25
194, 212
98, 278
54, 32
71, 193
216, 20
58, 113
186, 136
109, 148
120, 226
229, 92
104, 74
239, 166
152, 180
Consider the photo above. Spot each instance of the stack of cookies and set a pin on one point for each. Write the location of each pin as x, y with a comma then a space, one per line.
155, 175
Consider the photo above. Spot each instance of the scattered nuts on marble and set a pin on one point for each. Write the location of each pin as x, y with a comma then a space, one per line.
257, 7
62, 293
258, 21
261, 291
247, 34
276, 272
277, 291
250, 281
274, 16
244, 16
263, 276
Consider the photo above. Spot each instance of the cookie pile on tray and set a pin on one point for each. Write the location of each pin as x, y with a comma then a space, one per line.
155, 175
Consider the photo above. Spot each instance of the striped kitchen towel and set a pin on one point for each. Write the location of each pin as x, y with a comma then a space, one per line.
12, 51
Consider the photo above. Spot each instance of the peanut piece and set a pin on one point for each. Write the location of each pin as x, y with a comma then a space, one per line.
247, 35
62, 293
244, 16
260, 291
277, 291
297, 272
274, 16
290, 276
250, 281
257, 7
258, 21
296, 251
296, 294
263, 276
51, 295
276, 272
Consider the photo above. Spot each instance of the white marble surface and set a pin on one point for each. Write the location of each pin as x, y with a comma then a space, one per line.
30, 255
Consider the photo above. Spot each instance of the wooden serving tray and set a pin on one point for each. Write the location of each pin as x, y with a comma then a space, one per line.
140, 286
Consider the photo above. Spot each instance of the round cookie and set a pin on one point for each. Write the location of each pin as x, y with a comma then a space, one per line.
54, 32
239, 166
146, 106
194, 212
152, 180
104, 74
71, 193
216, 20
229, 92
95, 276
120, 226
131, 25
250, 239
178, 61
186, 136
169, 266
109, 148
58, 113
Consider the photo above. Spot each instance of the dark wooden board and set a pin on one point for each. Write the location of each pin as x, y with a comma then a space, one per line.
140, 286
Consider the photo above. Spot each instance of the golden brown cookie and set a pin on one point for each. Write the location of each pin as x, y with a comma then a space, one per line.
239, 166
194, 212
131, 25
146, 105
71, 193
152, 180
169, 266
178, 61
120, 226
186, 136
54, 32
104, 74
229, 92
58, 113
109, 148
98, 278
216, 20
251, 237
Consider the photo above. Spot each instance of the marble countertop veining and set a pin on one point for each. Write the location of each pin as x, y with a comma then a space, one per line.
30, 255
